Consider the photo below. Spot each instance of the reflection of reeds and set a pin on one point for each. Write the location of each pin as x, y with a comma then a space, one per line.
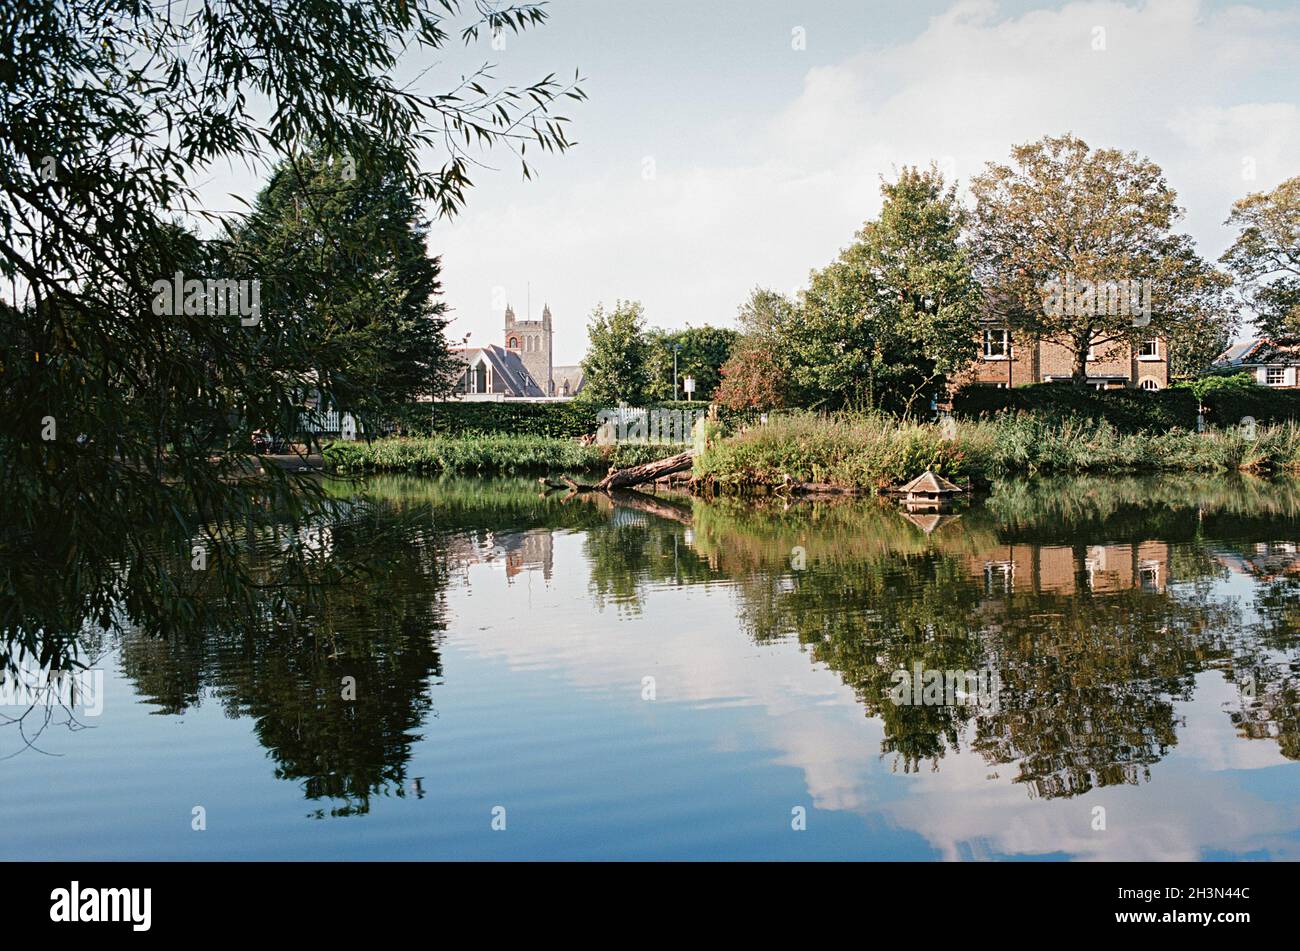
1081, 499
748, 537
876, 451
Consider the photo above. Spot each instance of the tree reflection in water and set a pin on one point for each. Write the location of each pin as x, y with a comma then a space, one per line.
1096, 603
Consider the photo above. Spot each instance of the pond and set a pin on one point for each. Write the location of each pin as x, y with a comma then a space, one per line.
1089, 669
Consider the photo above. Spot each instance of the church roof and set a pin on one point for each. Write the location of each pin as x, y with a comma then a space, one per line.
511, 376
571, 372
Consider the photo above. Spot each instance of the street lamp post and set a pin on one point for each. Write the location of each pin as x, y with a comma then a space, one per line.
677, 347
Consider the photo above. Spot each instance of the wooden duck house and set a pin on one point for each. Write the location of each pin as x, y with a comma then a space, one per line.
928, 491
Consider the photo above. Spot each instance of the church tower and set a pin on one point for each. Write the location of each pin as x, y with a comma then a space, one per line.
531, 339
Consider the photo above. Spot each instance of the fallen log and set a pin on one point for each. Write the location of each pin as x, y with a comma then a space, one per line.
626, 478
648, 472
659, 508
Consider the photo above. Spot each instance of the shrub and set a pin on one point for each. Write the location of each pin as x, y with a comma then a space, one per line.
1227, 400
1127, 410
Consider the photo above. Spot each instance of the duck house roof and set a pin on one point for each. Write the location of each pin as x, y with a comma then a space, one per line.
927, 483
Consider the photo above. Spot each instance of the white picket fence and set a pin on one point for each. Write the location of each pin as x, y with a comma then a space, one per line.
330, 422
642, 424
316, 422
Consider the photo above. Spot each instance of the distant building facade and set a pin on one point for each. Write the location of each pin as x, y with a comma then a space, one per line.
1274, 363
521, 369
1008, 359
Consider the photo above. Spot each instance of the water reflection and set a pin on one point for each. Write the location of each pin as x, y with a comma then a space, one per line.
1091, 600
1099, 606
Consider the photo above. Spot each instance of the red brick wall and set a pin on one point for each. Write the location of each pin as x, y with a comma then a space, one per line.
1032, 362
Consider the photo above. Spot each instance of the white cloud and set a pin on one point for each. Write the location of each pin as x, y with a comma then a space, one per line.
1174, 81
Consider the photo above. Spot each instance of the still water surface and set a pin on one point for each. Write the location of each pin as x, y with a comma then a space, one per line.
683, 679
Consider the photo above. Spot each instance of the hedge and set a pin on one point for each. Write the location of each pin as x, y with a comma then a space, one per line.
561, 420
1130, 410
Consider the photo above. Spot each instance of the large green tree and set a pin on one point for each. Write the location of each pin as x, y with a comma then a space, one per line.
1078, 245
342, 242
126, 428
614, 369
886, 323
1265, 257
701, 352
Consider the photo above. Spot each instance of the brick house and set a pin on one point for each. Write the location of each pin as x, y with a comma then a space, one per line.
1007, 360
1272, 363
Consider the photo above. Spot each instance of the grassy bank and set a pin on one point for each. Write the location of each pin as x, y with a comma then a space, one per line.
870, 452
491, 453
855, 451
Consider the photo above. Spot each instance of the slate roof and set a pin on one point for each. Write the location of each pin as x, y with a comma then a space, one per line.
572, 373
1259, 352
510, 375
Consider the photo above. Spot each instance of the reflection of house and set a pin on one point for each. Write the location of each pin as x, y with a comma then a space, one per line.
1065, 570
1265, 560
1271, 363
522, 369
525, 550
1006, 361
517, 551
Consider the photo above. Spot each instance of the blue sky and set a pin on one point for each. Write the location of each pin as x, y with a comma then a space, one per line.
714, 155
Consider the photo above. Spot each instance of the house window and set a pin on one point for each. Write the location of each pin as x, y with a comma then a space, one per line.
1148, 384
1150, 350
1149, 576
480, 378
999, 577
513, 343
997, 344
1274, 376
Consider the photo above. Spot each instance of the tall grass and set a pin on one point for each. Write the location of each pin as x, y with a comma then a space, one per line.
485, 453
855, 451
873, 451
